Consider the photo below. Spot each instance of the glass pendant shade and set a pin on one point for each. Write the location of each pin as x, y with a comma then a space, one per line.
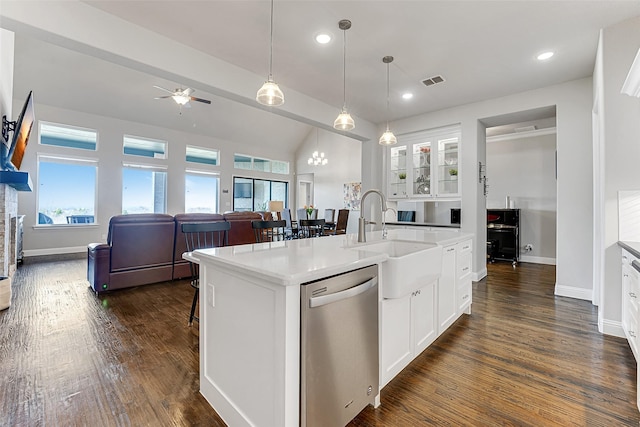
344, 121
270, 94
388, 138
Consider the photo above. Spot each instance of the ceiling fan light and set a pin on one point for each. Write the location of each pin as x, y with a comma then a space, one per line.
310, 161
344, 121
388, 138
180, 99
270, 94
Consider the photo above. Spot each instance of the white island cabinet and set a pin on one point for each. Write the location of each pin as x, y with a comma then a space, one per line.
250, 319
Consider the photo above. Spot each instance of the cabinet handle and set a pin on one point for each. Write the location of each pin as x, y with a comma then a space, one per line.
418, 292
465, 269
465, 247
625, 275
451, 249
466, 296
632, 295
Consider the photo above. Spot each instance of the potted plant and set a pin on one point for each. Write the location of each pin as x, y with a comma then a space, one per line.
402, 176
453, 173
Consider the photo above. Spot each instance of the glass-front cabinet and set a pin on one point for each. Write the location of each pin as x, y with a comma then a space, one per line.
426, 165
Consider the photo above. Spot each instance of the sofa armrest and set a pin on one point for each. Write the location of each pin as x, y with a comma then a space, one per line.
98, 266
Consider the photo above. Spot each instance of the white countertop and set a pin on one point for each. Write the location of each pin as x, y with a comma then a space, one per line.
292, 262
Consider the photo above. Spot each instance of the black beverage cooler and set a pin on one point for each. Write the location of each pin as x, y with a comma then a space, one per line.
503, 235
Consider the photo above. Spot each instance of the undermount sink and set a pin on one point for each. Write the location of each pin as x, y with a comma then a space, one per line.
410, 266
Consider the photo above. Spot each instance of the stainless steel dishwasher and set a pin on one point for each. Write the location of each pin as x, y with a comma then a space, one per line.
339, 347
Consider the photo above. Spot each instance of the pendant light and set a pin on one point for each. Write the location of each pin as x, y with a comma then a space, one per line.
387, 138
344, 120
317, 159
270, 94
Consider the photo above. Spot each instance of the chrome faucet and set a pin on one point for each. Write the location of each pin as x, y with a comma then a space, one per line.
362, 237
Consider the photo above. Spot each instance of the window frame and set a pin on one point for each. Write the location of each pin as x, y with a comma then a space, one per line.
76, 160
253, 188
262, 159
205, 173
202, 164
70, 127
165, 143
148, 167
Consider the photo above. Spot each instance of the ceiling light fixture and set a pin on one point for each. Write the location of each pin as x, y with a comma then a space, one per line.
388, 138
344, 120
323, 38
180, 99
270, 94
544, 56
317, 159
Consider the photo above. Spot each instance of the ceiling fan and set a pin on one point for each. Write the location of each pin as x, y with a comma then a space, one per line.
181, 96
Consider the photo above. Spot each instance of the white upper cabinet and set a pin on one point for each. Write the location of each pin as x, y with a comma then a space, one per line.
425, 165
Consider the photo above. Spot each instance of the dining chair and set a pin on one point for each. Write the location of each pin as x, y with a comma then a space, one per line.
329, 217
341, 223
268, 231
312, 227
203, 235
290, 231
301, 213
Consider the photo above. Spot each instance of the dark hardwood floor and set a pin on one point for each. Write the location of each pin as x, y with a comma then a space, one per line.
523, 358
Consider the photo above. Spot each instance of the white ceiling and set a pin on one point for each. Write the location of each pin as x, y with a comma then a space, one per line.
484, 49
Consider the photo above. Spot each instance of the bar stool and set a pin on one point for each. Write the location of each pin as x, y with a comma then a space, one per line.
268, 231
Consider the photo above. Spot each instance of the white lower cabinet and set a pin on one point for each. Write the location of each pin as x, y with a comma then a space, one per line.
408, 327
447, 304
631, 309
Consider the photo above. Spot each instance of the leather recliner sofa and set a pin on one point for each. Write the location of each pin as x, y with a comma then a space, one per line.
148, 248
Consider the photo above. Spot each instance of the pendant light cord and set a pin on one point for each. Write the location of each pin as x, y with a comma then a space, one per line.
344, 70
387, 96
271, 44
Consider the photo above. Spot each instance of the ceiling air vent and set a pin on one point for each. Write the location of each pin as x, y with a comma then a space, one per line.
433, 80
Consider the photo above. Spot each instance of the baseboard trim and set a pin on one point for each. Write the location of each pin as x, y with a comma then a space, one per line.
611, 327
477, 276
573, 292
54, 251
538, 260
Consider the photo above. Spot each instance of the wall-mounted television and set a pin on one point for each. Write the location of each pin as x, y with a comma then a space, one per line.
21, 133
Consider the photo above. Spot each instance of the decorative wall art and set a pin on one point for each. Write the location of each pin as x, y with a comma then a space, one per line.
352, 194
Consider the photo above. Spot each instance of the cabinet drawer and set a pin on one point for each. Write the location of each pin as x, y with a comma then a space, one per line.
465, 295
464, 247
464, 264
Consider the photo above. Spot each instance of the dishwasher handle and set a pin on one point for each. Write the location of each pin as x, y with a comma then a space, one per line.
348, 293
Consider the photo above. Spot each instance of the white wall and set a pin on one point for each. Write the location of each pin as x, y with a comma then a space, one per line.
524, 170
620, 130
6, 73
574, 276
40, 240
344, 155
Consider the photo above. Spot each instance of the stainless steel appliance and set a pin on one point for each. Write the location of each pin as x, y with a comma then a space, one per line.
339, 347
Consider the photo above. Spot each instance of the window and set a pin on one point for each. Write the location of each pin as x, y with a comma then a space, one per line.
68, 136
145, 147
254, 194
201, 192
66, 190
144, 189
241, 161
204, 156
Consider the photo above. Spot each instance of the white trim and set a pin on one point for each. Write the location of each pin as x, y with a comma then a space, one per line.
631, 85
538, 260
518, 135
610, 327
476, 276
573, 292
55, 251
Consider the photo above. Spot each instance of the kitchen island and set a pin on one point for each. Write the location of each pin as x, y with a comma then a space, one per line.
250, 318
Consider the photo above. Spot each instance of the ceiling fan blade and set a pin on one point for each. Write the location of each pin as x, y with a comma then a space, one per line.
161, 88
188, 91
163, 97
206, 101
187, 105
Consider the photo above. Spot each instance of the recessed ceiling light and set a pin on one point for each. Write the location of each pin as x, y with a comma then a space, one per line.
407, 95
545, 55
323, 38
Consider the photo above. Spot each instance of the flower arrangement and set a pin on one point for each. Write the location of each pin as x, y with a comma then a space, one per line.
425, 149
309, 210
